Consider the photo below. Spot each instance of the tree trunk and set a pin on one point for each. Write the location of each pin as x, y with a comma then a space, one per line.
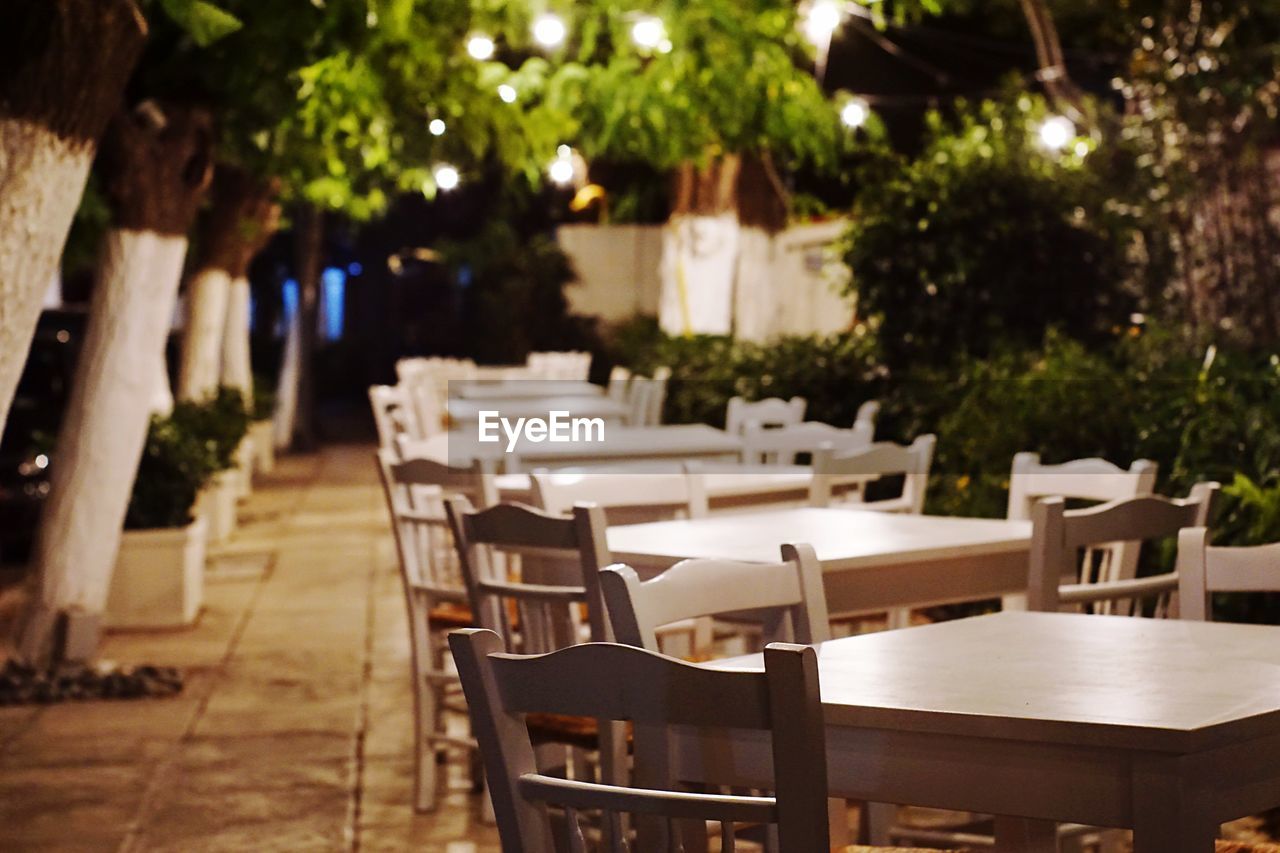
237, 367
63, 65
157, 167
243, 218
310, 258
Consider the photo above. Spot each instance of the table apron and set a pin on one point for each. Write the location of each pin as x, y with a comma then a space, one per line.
942, 580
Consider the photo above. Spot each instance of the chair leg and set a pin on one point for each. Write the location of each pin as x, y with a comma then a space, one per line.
426, 770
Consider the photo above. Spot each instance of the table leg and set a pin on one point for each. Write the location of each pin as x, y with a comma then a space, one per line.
1166, 815
877, 820
1022, 835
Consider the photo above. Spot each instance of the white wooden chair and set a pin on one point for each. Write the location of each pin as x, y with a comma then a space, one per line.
1084, 479
781, 445
1204, 570
833, 468
1059, 535
541, 607
769, 413
619, 385
865, 420
393, 415
627, 498
622, 683
435, 594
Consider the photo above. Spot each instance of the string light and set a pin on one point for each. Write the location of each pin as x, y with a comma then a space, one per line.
1056, 132
822, 20
480, 47
562, 170
649, 33
854, 114
447, 177
437, 127
549, 30
507, 93
1082, 148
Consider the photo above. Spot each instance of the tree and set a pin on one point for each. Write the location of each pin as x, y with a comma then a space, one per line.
63, 66
156, 163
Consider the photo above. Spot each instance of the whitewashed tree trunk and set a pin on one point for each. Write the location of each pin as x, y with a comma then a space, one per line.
699, 267
285, 415
42, 177
166, 267
237, 369
202, 346
105, 425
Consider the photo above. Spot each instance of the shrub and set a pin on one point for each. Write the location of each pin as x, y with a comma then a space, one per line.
221, 422
175, 466
989, 239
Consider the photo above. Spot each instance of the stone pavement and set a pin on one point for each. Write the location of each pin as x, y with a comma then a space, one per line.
294, 731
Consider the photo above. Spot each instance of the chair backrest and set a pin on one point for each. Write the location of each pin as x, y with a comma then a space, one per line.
768, 413
531, 613
1204, 570
657, 397
866, 418
616, 682
393, 414
627, 498
619, 384
833, 468
780, 446
1059, 534
1084, 479
786, 597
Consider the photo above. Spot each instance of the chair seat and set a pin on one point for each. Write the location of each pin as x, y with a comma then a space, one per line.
450, 615
581, 732
858, 848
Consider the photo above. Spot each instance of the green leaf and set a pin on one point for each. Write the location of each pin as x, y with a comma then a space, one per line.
203, 21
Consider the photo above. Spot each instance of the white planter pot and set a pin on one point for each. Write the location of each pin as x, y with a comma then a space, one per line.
264, 446
218, 506
159, 578
243, 472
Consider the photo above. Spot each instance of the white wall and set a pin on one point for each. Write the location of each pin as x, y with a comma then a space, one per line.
789, 283
618, 266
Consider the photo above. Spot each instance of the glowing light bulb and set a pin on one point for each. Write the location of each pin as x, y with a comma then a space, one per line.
436, 127
1082, 149
649, 33
549, 30
507, 93
822, 21
562, 172
1056, 132
854, 114
447, 178
480, 47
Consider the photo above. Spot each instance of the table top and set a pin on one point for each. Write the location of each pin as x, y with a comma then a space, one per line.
469, 389
843, 538
658, 442
720, 479
1059, 678
468, 411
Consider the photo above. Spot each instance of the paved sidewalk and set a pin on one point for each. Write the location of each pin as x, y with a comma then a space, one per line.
294, 731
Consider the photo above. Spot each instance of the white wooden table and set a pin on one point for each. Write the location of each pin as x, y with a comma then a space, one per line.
465, 414
621, 444
1168, 727
729, 485
470, 389
871, 561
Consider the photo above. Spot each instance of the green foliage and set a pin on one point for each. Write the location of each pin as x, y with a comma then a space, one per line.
176, 464
512, 289
988, 238
1200, 414
836, 374
203, 21
220, 422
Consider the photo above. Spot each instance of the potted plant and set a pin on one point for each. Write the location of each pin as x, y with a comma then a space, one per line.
221, 423
159, 574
